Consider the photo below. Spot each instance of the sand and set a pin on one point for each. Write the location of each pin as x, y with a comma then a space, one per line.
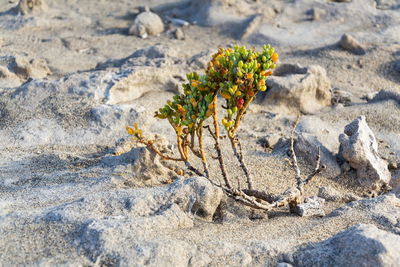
76, 191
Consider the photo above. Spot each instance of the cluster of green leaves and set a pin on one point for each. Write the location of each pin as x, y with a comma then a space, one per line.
240, 74
188, 110
237, 75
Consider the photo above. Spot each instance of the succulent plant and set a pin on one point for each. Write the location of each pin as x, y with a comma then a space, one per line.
234, 74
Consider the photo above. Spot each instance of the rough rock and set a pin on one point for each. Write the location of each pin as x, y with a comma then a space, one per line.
383, 210
179, 34
299, 89
359, 245
330, 194
145, 24
359, 147
342, 97
197, 196
8, 78
316, 13
350, 44
17, 69
146, 165
392, 165
107, 225
271, 140
142, 166
26, 7
312, 206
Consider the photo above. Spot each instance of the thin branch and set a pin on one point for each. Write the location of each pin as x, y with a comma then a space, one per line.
318, 168
201, 147
193, 169
192, 144
235, 143
270, 198
239, 116
151, 146
210, 131
217, 146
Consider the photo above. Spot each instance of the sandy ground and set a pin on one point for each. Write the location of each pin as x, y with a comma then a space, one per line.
62, 121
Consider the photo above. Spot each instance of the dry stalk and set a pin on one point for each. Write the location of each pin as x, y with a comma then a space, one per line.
150, 145
218, 147
300, 182
266, 201
235, 143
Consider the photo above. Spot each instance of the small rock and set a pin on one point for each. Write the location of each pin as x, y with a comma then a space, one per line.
5, 73
350, 197
312, 206
384, 210
392, 165
299, 89
145, 24
329, 194
370, 96
284, 264
359, 147
350, 44
269, 141
146, 165
272, 140
26, 7
144, 9
341, 96
316, 13
197, 196
359, 245
36, 68
179, 34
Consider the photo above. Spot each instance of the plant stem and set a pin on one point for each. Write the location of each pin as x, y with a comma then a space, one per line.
239, 116
201, 147
151, 146
217, 146
239, 156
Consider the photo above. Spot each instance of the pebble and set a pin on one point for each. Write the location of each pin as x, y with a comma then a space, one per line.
179, 34
349, 43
